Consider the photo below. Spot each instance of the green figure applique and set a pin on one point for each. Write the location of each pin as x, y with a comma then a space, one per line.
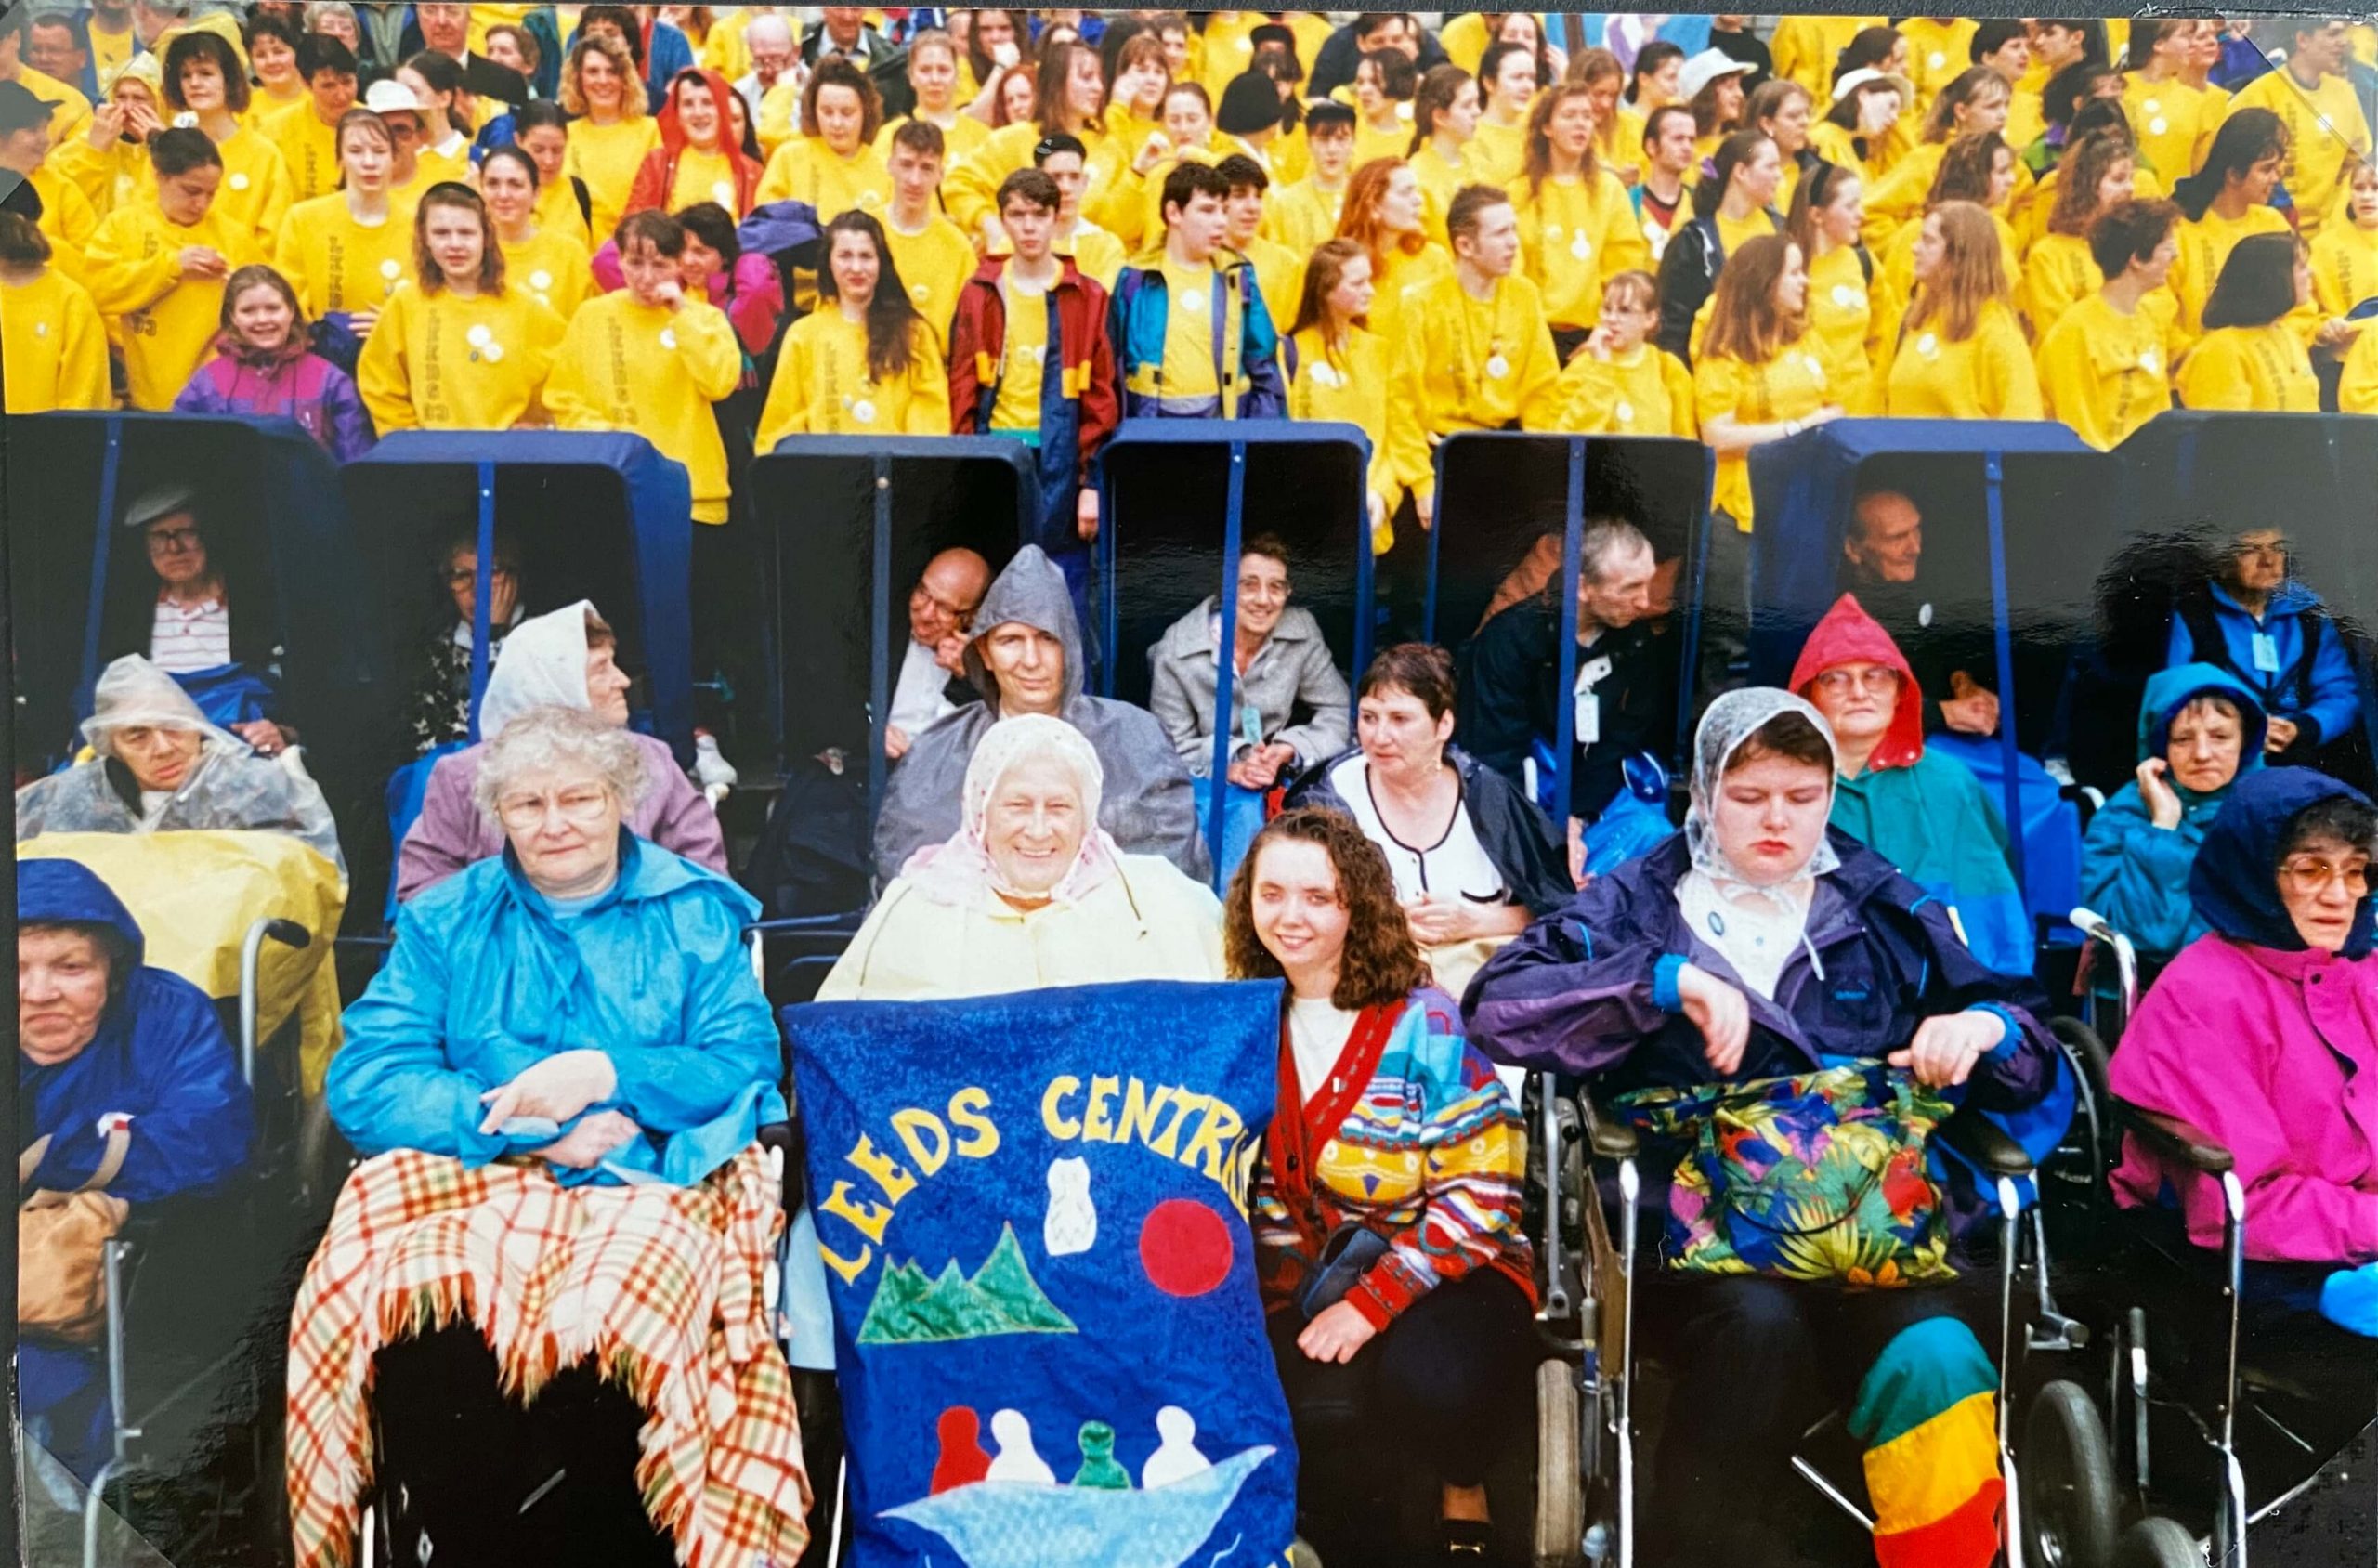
1099, 1469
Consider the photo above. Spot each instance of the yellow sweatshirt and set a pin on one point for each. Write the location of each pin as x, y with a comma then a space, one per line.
66, 218
607, 158
558, 213
647, 369
935, 263
2261, 368
1938, 51
1472, 364
1302, 216
1352, 386
1404, 272
1989, 375
2172, 122
960, 139
552, 265
1646, 391
165, 323
336, 263
1805, 48
970, 190
822, 386
1795, 383
2357, 390
1440, 177
257, 188
54, 345
1842, 317
117, 176
307, 147
2345, 267
805, 169
1280, 276
1574, 236
2204, 250
2327, 135
437, 361
2103, 372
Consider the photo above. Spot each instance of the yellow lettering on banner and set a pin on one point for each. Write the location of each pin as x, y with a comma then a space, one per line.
849, 1268
1217, 1139
926, 1139
966, 1111
1140, 1111
897, 1183
1095, 1129
867, 1217
1184, 1102
1062, 1085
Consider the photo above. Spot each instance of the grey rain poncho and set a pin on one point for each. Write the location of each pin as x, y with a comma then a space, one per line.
1149, 808
230, 787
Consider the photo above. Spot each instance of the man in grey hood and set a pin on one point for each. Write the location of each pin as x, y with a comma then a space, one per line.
1027, 657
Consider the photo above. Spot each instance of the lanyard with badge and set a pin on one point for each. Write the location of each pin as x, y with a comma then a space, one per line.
1591, 673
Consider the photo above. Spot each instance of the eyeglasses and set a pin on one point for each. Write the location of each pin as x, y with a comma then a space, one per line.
578, 807
174, 538
2311, 875
462, 577
1836, 682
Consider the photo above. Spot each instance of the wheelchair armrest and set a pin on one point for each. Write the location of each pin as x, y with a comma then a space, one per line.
2174, 1138
1985, 1143
1608, 1136
785, 1138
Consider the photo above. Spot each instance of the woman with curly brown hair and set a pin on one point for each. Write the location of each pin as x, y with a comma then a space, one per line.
1396, 1277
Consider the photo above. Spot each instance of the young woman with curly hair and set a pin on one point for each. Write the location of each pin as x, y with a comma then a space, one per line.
1396, 1275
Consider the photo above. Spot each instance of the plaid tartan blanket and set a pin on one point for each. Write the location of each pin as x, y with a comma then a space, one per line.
664, 1287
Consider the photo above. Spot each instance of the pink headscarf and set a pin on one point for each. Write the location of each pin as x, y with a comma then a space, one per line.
961, 870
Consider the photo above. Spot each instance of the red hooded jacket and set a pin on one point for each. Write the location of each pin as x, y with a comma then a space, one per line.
658, 175
1849, 636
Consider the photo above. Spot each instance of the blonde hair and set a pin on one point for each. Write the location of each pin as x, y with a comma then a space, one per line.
1973, 272
632, 104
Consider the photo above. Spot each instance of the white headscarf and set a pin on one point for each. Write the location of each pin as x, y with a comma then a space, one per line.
1755, 924
961, 870
543, 666
133, 693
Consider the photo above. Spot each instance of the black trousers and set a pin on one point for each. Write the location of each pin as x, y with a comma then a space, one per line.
1445, 1386
468, 1475
1753, 1364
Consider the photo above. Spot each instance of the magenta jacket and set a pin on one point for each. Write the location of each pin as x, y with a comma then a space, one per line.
2274, 1054
310, 389
753, 295
452, 832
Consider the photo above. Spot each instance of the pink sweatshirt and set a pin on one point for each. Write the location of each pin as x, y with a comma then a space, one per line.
2275, 1054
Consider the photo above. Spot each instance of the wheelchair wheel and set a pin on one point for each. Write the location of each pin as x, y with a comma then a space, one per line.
1560, 1496
2071, 1504
2158, 1543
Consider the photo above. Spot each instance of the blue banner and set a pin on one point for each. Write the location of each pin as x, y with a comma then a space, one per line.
1032, 1212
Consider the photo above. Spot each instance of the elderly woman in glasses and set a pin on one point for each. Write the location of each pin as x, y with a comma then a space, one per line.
571, 1018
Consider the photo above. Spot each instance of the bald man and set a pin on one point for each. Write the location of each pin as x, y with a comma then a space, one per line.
941, 612
775, 57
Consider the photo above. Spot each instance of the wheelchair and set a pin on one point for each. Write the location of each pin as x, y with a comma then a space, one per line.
176, 1347
2189, 1406
2061, 1506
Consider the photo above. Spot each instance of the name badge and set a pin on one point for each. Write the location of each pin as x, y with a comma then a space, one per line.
2267, 653
1588, 718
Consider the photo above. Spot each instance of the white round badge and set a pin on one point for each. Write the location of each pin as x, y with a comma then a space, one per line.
493, 353
1193, 299
1625, 411
1929, 345
478, 336
1581, 246
2150, 361
1924, 613
1936, 60
391, 270
1498, 366
2158, 125
238, 182
864, 411
723, 193
41, 329
1844, 296
1815, 368
540, 280
668, 337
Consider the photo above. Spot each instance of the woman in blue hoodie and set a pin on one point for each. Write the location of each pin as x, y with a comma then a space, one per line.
124, 1082
2200, 728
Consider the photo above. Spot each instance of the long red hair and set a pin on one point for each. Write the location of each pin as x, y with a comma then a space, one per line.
1358, 219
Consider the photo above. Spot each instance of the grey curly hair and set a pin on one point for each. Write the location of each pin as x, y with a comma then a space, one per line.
553, 739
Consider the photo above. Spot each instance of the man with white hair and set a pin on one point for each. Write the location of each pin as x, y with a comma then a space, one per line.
775, 57
446, 30
565, 659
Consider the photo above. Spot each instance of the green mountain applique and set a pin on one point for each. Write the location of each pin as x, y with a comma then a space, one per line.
911, 1308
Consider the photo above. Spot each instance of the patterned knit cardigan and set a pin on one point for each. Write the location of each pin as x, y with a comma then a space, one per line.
1412, 1137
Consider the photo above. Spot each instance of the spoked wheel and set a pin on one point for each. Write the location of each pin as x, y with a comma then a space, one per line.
2071, 1506
2158, 1543
1560, 1480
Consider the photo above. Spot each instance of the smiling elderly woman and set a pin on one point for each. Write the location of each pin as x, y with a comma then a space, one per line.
561, 1072
158, 766
1031, 891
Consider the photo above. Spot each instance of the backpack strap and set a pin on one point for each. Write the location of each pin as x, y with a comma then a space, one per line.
110, 1164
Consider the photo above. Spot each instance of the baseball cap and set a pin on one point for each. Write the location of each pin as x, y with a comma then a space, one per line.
20, 107
388, 96
151, 505
1703, 69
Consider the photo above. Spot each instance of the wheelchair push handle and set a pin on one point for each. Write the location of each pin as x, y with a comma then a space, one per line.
289, 933
2177, 1139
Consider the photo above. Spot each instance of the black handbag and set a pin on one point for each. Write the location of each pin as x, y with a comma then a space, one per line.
1345, 1258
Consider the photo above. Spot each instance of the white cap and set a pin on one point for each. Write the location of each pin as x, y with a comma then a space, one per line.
388, 96
1703, 69
1856, 79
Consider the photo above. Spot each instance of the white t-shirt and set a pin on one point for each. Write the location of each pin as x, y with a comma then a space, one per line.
192, 636
917, 699
1318, 1030
1457, 865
